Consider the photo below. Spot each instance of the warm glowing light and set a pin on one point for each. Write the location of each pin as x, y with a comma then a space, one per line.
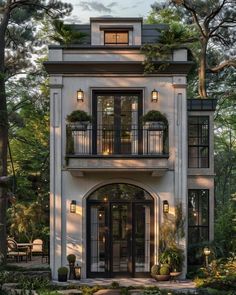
80, 95
105, 198
165, 206
155, 95
77, 272
106, 152
207, 251
73, 206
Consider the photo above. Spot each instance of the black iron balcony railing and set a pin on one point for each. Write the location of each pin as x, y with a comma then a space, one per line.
103, 140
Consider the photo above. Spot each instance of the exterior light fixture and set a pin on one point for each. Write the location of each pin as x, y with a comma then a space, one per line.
77, 272
165, 206
105, 198
207, 252
155, 95
73, 206
80, 95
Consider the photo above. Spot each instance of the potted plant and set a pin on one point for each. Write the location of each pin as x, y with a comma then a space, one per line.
155, 120
155, 270
174, 257
71, 259
160, 273
79, 120
62, 274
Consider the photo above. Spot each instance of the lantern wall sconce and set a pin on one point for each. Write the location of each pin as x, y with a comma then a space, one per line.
80, 95
155, 95
165, 206
73, 206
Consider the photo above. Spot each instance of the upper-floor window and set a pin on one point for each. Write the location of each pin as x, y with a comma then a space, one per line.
198, 142
116, 38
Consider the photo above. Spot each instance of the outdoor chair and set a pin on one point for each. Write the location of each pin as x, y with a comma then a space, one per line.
15, 252
39, 249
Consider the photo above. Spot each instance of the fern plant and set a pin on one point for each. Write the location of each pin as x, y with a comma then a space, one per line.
65, 35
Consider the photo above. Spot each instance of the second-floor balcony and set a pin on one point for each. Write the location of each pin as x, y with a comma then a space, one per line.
106, 149
107, 141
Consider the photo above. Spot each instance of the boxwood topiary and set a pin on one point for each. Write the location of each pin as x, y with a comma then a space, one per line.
154, 116
71, 258
78, 116
164, 270
62, 271
155, 269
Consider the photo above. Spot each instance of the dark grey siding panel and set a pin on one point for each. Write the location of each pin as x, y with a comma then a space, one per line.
83, 29
151, 33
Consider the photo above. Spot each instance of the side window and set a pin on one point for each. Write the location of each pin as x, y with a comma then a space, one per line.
198, 142
198, 222
116, 38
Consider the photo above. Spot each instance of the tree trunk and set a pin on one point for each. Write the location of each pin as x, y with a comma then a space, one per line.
202, 70
3, 137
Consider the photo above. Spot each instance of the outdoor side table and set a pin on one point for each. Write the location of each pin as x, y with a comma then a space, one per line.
174, 276
26, 245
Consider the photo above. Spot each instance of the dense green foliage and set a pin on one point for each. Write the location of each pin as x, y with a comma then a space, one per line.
154, 116
174, 257
222, 87
78, 116
28, 110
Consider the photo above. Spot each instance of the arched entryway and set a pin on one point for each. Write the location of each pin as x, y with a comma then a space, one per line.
120, 231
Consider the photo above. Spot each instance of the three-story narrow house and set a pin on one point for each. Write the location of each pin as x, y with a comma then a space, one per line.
115, 176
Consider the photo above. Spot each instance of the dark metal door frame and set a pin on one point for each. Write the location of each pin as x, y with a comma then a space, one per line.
117, 120
108, 239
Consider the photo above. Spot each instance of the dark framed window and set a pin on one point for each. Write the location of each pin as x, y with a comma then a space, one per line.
116, 38
116, 124
198, 216
198, 142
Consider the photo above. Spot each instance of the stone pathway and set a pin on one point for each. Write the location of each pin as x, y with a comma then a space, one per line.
36, 262
184, 285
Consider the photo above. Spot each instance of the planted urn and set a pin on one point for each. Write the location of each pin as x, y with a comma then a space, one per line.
174, 257
160, 273
155, 270
78, 120
154, 120
71, 259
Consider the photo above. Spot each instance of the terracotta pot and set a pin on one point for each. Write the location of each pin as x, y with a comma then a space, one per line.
162, 277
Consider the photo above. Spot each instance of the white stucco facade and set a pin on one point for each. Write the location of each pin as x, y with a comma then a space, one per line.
76, 178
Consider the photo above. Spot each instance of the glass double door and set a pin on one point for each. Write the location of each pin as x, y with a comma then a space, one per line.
116, 122
120, 240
